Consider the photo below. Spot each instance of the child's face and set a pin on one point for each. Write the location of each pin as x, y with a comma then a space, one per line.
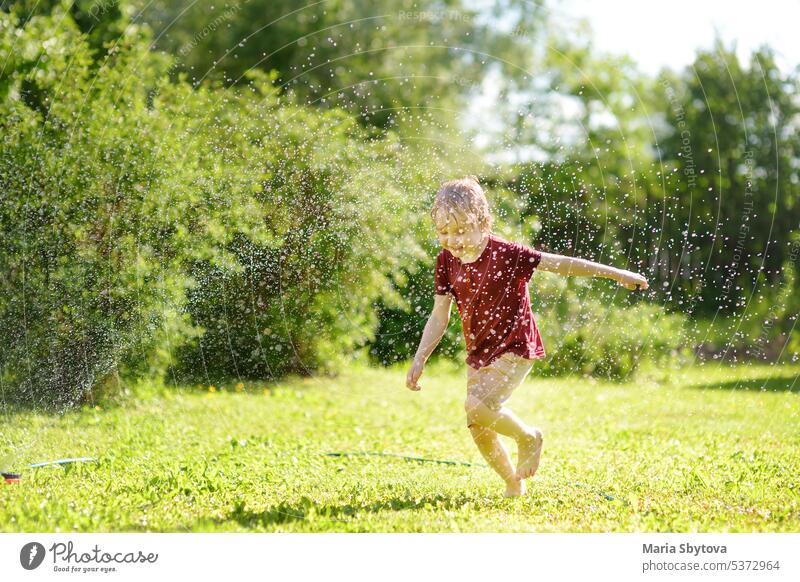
457, 235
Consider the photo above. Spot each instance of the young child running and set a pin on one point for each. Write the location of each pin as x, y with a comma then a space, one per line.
488, 277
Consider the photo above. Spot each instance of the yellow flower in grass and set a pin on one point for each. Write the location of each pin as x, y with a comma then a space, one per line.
240, 387
212, 389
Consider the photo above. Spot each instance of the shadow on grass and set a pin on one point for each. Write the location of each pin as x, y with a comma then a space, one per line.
307, 509
788, 384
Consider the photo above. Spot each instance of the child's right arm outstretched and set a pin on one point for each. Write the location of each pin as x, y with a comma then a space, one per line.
434, 330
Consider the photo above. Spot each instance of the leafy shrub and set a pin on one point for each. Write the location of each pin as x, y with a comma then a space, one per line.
588, 331
400, 323
765, 330
303, 302
87, 253
139, 215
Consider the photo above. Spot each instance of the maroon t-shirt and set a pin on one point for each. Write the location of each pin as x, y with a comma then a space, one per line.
492, 298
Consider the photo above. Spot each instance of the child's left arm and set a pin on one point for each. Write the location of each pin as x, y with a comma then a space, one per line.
572, 266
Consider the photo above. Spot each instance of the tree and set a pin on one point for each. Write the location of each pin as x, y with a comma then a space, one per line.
731, 135
372, 59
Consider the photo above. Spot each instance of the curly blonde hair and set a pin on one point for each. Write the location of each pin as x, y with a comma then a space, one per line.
464, 197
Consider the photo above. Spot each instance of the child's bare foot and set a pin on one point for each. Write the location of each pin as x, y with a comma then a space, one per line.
530, 450
515, 488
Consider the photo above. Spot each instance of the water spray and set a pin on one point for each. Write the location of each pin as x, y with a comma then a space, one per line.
13, 478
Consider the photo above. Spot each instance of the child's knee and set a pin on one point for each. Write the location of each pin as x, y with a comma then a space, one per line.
481, 433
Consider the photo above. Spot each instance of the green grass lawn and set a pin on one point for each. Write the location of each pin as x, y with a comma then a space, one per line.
703, 449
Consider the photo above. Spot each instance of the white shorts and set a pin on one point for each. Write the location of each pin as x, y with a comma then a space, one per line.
493, 384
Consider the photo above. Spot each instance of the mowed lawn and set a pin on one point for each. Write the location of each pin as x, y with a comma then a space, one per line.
702, 449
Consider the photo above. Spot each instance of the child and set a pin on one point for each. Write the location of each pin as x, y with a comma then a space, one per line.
488, 277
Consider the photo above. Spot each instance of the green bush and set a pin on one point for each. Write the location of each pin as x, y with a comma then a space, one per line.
88, 251
587, 330
306, 302
139, 216
765, 330
150, 226
400, 323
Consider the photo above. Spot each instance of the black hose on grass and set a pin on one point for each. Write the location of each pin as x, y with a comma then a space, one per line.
602, 494
406, 457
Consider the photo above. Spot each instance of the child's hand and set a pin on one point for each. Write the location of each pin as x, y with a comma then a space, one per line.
413, 375
631, 280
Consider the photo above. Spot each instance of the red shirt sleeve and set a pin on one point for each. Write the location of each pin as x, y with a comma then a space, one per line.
527, 260
441, 279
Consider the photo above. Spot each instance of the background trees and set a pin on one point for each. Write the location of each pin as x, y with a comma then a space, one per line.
371, 60
243, 191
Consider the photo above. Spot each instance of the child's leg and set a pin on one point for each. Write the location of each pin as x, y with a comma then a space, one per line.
504, 421
487, 388
496, 454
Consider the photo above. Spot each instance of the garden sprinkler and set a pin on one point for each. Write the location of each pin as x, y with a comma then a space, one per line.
11, 478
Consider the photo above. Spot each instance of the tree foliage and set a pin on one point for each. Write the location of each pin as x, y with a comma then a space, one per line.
376, 60
140, 214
